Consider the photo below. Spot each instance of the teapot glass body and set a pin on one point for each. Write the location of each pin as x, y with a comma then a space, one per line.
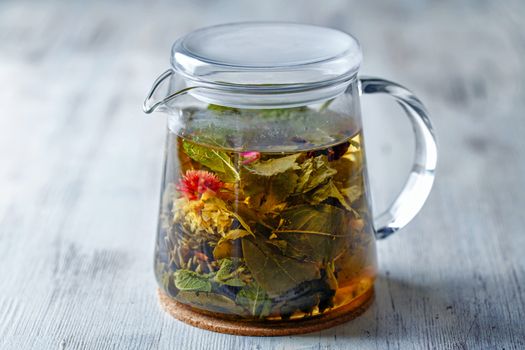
265, 213
265, 210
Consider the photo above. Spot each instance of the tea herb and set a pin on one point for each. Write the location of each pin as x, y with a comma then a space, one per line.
314, 171
275, 272
261, 234
213, 159
254, 298
329, 190
190, 280
211, 301
274, 166
268, 193
229, 274
314, 233
352, 193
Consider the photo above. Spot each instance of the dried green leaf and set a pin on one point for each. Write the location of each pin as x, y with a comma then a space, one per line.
352, 193
275, 272
329, 190
235, 234
192, 281
225, 248
353, 262
211, 301
314, 233
213, 159
314, 171
274, 166
222, 250
268, 193
279, 243
223, 109
227, 266
255, 300
228, 274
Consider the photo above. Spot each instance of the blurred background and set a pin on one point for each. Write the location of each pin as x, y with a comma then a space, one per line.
81, 165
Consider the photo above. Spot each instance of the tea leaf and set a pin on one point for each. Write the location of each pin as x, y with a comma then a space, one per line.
273, 271
279, 243
216, 160
314, 233
234, 282
228, 274
225, 270
349, 172
354, 262
192, 281
353, 193
280, 187
255, 300
211, 301
314, 171
329, 190
222, 250
306, 296
235, 234
223, 109
268, 193
274, 166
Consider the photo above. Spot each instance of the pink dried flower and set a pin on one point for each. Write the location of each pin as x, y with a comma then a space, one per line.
197, 182
250, 157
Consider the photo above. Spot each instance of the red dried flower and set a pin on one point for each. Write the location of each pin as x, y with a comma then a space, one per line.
249, 157
197, 182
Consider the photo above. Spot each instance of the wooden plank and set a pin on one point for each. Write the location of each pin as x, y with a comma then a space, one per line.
81, 171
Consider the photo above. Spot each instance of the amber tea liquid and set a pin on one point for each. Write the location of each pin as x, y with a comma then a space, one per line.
266, 235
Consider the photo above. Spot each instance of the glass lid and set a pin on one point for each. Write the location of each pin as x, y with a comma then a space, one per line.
266, 58
266, 53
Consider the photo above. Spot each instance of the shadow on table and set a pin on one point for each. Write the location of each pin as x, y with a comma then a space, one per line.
431, 313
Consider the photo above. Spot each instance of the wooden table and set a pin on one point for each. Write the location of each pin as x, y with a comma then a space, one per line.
81, 164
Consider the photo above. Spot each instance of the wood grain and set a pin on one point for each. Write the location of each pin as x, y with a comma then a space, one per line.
80, 172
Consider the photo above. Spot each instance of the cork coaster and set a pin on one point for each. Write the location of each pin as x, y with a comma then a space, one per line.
341, 315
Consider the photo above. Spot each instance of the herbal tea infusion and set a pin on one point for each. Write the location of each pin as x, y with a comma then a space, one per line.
265, 225
264, 234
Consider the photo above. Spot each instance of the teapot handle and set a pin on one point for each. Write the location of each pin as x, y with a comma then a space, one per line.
417, 188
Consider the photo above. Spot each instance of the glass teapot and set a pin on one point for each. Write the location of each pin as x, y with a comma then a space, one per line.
265, 214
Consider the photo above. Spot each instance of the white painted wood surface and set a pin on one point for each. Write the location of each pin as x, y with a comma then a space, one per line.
80, 172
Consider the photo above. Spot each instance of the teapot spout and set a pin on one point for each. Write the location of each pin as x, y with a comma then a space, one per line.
150, 103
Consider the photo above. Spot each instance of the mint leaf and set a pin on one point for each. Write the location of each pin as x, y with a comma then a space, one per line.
192, 281
229, 273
